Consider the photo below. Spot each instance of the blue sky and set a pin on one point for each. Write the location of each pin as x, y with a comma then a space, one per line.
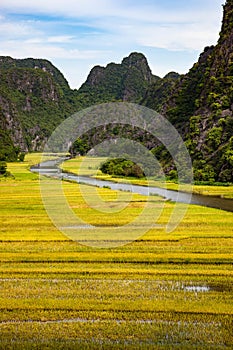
76, 35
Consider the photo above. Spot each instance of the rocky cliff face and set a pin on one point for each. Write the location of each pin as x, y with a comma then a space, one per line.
127, 81
201, 107
7, 63
158, 92
34, 99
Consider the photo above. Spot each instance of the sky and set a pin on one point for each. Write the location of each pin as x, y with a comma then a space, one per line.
76, 35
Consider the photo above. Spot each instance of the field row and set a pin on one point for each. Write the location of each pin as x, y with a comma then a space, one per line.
160, 291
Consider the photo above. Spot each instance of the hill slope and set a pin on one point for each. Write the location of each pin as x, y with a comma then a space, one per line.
34, 99
201, 107
127, 81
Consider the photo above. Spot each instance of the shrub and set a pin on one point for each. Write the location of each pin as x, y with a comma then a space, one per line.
3, 168
121, 167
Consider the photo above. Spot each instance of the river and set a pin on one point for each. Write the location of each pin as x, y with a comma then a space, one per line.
49, 168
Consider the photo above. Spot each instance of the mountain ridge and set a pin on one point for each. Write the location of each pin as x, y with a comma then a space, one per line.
126, 81
202, 107
35, 98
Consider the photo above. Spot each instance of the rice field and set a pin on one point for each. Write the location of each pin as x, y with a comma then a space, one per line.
161, 291
89, 166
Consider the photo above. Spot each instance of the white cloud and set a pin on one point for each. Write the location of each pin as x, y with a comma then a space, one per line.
72, 8
17, 30
21, 49
177, 37
64, 39
174, 29
137, 10
32, 41
98, 31
154, 26
9, 29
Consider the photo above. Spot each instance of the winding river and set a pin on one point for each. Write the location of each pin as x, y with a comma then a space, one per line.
50, 168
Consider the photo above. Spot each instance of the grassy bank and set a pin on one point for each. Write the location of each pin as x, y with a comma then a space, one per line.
161, 291
89, 166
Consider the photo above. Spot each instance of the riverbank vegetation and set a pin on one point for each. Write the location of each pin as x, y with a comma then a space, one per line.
164, 291
90, 166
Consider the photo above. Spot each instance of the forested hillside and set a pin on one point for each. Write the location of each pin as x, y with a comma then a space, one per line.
127, 81
35, 98
201, 107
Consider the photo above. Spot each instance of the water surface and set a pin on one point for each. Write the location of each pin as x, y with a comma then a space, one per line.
50, 168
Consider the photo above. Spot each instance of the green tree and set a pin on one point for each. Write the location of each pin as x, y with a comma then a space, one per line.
3, 168
121, 167
79, 147
21, 157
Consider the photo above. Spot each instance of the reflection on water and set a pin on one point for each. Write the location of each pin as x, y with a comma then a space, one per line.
197, 289
182, 197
